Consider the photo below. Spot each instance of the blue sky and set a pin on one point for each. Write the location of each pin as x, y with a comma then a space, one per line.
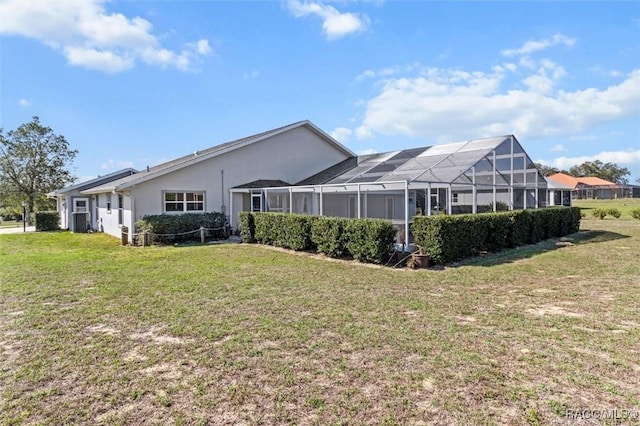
136, 83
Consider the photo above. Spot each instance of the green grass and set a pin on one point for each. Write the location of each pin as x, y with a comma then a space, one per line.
625, 205
95, 333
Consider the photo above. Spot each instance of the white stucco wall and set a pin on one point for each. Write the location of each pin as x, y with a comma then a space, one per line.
291, 157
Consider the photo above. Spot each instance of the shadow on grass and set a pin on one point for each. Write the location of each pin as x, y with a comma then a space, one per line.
528, 251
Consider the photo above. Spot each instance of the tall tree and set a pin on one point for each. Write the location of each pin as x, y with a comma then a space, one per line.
33, 161
607, 171
546, 170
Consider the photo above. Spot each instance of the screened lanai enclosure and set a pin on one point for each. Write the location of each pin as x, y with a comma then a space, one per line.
473, 176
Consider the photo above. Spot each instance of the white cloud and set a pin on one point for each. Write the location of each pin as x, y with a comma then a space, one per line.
112, 164
452, 104
24, 103
367, 151
558, 148
617, 157
90, 36
341, 134
363, 132
334, 23
537, 45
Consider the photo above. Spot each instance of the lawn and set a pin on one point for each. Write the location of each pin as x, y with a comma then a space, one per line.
625, 205
95, 333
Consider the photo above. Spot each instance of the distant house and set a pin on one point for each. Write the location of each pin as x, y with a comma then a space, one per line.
299, 168
589, 187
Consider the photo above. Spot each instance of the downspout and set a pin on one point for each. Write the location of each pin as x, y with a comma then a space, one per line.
222, 206
406, 213
132, 229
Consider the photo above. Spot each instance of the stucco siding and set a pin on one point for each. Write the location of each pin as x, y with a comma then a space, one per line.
291, 157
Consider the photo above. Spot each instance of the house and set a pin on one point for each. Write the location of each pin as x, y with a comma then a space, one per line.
201, 181
589, 187
298, 168
78, 212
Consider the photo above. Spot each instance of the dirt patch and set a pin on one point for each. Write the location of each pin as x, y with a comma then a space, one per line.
103, 329
553, 310
153, 334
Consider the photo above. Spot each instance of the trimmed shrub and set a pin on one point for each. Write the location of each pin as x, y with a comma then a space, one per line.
327, 233
366, 240
287, 230
369, 240
247, 227
635, 213
450, 238
47, 221
169, 228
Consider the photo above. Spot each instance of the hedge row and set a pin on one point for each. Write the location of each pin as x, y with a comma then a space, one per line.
366, 240
47, 221
448, 238
169, 228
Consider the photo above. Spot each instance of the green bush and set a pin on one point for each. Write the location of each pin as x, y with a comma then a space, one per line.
247, 227
614, 213
599, 213
327, 233
287, 230
450, 238
501, 206
170, 228
369, 240
635, 213
366, 240
47, 221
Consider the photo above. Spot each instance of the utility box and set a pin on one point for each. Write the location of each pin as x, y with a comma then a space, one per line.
80, 222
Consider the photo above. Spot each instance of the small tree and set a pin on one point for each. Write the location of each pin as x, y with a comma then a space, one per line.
33, 162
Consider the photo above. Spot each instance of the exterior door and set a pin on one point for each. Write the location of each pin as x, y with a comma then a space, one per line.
256, 202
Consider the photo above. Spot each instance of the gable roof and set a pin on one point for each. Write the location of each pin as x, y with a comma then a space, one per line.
92, 183
214, 151
574, 182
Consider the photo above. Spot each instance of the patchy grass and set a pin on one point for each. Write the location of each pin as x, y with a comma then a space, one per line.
625, 205
95, 333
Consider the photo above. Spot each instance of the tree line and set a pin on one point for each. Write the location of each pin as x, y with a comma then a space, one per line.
607, 171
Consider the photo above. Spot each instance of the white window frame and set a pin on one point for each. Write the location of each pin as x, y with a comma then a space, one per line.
255, 195
182, 200
85, 208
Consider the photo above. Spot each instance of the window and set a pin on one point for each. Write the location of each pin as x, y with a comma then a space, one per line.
109, 207
120, 210
183, 201
454, 197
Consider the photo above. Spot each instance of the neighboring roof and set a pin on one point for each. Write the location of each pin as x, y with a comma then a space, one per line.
574, 182
198, 156
555, 184
440, 163
100, 180
264, 183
